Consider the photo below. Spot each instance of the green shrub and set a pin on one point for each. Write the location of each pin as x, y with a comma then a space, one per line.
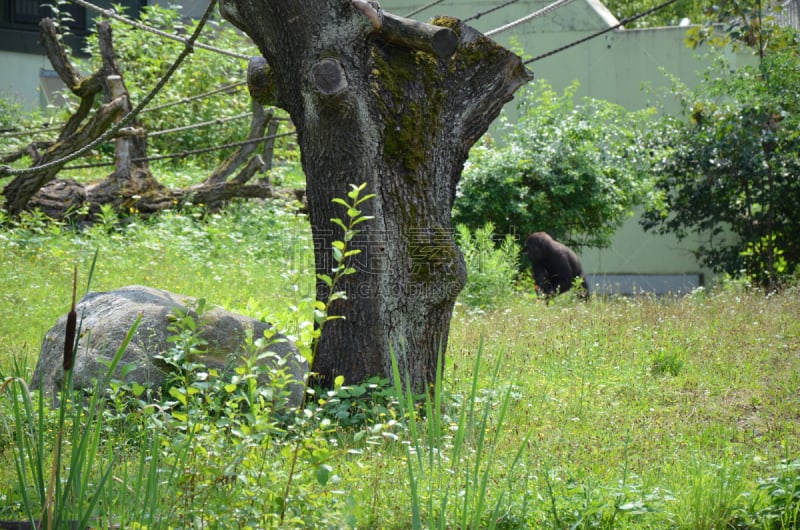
491, 268
727, 169
573, 170
783, 492
666, 362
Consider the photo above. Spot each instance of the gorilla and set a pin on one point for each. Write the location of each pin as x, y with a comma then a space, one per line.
555, 266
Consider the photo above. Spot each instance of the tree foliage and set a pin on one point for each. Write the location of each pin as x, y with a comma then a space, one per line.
729, 169
742, 23
715, 19
574, 170
145, 57
670, 15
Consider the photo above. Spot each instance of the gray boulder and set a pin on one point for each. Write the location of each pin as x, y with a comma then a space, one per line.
105, 318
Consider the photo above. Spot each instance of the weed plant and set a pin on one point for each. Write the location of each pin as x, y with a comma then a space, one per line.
643, 412
492, 265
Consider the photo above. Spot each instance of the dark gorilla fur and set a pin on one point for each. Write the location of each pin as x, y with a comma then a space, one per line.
555, 265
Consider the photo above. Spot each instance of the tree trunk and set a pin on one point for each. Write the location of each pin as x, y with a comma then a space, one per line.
370, 108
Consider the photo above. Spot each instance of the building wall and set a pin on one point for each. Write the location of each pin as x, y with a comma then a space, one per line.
25, 85
26, 74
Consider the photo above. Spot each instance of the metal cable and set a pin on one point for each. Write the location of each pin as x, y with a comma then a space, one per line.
195, 98
28, 132
199, 125
535, 14
206, 123
476, 16
423, 8
601, 32
113, 14
129, 117
184, 154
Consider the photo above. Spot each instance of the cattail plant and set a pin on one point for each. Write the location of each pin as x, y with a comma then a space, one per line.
72, 325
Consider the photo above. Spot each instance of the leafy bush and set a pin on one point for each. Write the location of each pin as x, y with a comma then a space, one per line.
10, 112
491, 268
367, 404
574, 170
728, 170
783, 491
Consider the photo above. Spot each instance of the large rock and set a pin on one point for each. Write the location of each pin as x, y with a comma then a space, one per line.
105, 318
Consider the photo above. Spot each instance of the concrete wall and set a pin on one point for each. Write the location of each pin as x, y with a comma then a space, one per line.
23, 81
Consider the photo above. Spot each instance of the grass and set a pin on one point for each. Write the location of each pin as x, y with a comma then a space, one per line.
618, 413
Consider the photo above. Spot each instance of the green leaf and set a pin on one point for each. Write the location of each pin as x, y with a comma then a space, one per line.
178, 394
319, 305
364, 198
126, 369
362, 219
338, 222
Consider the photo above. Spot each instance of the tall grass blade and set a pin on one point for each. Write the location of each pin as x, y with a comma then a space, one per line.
406, 402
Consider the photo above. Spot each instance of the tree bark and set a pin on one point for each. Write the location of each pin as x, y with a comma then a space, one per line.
402, 120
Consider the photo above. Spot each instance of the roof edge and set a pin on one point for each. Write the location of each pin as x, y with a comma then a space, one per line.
602, 11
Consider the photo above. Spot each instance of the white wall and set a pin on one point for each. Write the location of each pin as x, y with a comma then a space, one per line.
22, 79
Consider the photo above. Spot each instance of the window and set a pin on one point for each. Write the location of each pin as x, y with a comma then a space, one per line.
25, 15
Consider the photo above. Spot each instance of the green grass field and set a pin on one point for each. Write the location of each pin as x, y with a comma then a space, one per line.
624, 413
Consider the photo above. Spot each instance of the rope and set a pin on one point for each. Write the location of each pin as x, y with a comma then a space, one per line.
218, 121
535, 14
207, 123
129, 117
225, 88
110, 13
198, 96
28, 132
601, 32
184, 154
476, 16
212, 149
423, 8
194, 126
